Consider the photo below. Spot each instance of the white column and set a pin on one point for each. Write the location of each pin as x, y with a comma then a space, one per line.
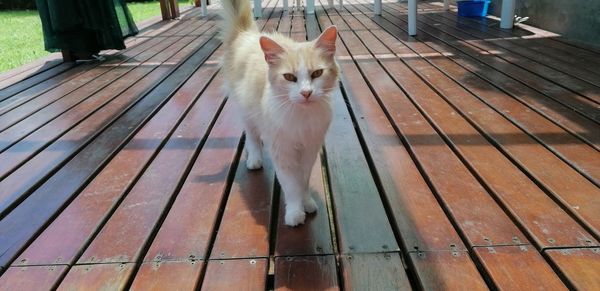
446, 5
341, 5
377, 9
204, 10
508, 13
412, 17
310, 6
285, 5
257, 8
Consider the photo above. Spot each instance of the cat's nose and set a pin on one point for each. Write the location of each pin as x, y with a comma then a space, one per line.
306, 93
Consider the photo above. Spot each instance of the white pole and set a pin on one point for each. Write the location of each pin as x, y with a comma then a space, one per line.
204, 10
285, 4
446, 5
257, 8
341, 5
508, 13
377, 7
310, 6
412, 17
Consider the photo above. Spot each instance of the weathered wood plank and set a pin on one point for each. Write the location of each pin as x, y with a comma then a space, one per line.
141, 210
31, 278
353, 188
70, 231
479, 217
314, 237
446, 271
94, 75
97, 277
243, 274
568, 119
551, 90
575, 191
374, 272
526, 202
168, 276
580, 266
522, 267
21, 144
245, 224
190, 224
306, 273
63, 184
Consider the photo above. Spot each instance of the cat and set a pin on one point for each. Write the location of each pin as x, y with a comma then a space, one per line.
282, 89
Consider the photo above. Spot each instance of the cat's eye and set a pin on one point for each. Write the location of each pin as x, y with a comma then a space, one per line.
290, 77
316, 73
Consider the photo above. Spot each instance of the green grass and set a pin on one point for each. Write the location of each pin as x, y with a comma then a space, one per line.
22, 41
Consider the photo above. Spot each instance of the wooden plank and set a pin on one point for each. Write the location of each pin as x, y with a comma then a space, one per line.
24, 177
64, 239
314, 236
41, 205
352, 185
84, 101
31, 278
243, 274
446, 271
418, 215
564, 70
576, 124
141, 210
190, 225
33, 132
567, 71
374, 272
306, 273
493, 59
522, 267
353, 190
581, 267
479, 217
88, 71
168, 276
245, 224
17, 74
97, 277
25, 103
33, 80
568, 185
546, 221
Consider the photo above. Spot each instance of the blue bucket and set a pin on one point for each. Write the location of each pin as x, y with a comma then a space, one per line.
473, 8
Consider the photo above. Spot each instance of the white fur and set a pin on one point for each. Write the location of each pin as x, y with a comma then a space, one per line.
275, 113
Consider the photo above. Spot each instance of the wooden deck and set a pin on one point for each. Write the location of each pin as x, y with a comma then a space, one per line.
465, 158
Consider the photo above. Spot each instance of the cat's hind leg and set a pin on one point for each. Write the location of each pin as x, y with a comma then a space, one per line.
253, 147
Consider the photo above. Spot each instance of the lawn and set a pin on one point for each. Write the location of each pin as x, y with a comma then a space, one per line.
21, 39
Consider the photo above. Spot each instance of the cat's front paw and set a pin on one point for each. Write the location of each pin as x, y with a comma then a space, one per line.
294, 216
310, 205
253, 163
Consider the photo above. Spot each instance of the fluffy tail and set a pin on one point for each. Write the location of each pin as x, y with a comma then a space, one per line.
237, 17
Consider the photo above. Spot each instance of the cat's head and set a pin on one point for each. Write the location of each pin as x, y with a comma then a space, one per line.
303, 72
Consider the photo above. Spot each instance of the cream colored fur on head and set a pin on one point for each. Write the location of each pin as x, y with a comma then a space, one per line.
282, 88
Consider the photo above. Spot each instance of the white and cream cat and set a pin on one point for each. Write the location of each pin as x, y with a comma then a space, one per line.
282, 88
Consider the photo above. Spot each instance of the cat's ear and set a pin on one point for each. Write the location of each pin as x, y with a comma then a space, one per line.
271, 49
326, 40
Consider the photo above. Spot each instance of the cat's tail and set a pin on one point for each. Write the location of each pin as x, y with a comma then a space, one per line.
237, 17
